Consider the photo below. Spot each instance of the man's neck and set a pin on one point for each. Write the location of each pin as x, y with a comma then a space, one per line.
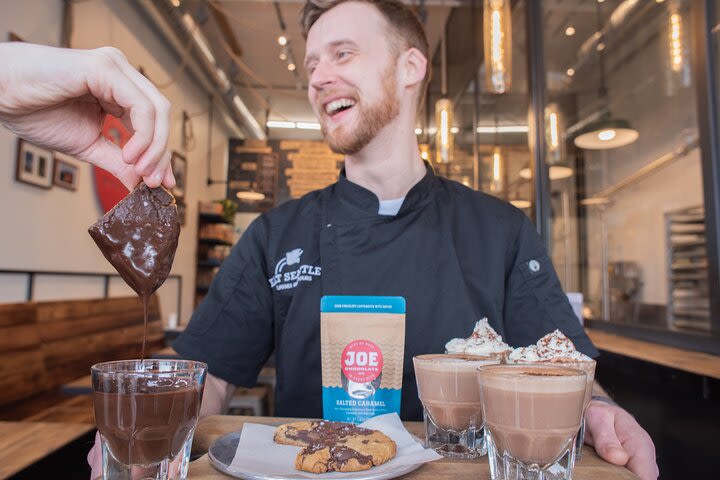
390, 165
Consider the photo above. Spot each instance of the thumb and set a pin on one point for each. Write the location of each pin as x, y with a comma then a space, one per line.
601, 424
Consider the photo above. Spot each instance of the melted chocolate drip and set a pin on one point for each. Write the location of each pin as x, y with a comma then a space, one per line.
339, 454
322, 430
139, 237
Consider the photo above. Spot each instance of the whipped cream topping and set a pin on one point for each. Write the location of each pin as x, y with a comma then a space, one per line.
553, 347
484, 340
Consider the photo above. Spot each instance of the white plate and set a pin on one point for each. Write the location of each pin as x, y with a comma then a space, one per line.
222, 452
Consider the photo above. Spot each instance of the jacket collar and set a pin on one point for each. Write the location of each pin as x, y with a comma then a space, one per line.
351, 200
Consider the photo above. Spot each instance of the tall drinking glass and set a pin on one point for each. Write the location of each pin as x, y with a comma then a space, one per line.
146, 412
532, 417
448, 390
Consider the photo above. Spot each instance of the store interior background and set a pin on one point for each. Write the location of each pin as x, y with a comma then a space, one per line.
46, 229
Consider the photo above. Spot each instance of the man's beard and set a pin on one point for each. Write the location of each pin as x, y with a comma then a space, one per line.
371, 120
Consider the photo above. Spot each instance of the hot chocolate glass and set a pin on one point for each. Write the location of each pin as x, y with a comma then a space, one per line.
146, 412
532, 416
448, 390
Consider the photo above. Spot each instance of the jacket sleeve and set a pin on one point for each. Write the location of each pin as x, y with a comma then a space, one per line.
535, 303
232, 329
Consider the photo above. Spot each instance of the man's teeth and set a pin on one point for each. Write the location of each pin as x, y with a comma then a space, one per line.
336, 105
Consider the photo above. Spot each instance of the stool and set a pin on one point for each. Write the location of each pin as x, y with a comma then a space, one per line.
248, 399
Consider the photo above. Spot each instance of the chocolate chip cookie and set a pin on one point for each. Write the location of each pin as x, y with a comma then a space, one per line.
336, 446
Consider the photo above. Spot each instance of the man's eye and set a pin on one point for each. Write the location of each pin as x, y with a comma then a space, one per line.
342, 54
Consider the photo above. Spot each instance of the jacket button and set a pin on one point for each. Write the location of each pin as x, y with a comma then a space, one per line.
534, 266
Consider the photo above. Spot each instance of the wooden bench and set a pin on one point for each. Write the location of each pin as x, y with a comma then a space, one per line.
44, 345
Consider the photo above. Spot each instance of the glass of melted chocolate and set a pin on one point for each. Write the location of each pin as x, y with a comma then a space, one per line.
146, 410
532, 417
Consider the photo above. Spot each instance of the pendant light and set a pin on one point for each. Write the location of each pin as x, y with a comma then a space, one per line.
444, 140
676, 48
557, 165
497, 40
608, 132
498, 164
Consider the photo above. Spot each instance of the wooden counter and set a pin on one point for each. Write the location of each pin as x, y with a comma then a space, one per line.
694, 362
24, 443
591, 467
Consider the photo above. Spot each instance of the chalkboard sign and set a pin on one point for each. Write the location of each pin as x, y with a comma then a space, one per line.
254, 168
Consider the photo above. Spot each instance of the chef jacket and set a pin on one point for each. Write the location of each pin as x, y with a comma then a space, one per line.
456, 255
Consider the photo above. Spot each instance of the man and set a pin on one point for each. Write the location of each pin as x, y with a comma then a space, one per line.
57, 98
389, 226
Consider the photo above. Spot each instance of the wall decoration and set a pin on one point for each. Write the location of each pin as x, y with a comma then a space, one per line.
65, 173
109, 189
34, 165
179, 168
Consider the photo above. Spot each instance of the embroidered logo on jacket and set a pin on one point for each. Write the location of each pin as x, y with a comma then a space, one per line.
285, 280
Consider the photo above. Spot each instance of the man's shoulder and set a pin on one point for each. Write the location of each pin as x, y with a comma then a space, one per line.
306, 206
479, 203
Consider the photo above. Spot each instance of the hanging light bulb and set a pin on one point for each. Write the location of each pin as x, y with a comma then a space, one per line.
443, 137
498, 45
497, 166
677, 61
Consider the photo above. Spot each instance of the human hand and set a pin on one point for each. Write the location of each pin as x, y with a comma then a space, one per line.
620, 440
58, 98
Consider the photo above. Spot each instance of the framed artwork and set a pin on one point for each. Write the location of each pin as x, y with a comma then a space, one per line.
34, 165
65, 174
179, 168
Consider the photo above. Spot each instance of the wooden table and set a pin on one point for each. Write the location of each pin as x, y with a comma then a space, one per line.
698, 363
591, 467
24, 443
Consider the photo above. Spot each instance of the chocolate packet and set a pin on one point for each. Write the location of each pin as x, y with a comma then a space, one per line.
362, 346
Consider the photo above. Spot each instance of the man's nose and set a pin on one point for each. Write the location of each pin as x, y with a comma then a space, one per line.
322, 76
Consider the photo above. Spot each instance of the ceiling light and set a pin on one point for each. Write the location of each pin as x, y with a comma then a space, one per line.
454, 130
283, 56
291, 67
282, 40
279, 124
497, 40
600, 47
444, 140
605, 134
496, 185
176, 3
418, 131
432, 131
570, 31
307, 125
504, 129
570, 72
250, 196
555, 172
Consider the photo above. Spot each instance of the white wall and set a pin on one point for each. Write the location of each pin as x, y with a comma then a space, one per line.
47, 229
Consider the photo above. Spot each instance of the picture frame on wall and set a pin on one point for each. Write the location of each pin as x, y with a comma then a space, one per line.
65, 173
179, 168
34, 165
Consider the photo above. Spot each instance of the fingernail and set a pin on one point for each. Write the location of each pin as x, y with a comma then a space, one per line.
158, 178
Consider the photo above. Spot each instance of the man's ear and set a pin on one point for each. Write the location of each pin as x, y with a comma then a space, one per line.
412, 67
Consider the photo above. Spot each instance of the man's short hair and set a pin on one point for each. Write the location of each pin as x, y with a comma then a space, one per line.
407, 29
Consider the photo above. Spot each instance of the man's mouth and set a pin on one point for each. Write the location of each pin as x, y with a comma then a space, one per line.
340, 105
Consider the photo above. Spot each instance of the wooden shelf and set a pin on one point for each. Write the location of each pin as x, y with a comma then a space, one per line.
209, 263
213, 218
214, 241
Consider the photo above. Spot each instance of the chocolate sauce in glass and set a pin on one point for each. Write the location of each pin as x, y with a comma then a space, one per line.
139, 237
146, 427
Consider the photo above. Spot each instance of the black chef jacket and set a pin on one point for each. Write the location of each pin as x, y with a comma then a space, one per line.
454, 254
